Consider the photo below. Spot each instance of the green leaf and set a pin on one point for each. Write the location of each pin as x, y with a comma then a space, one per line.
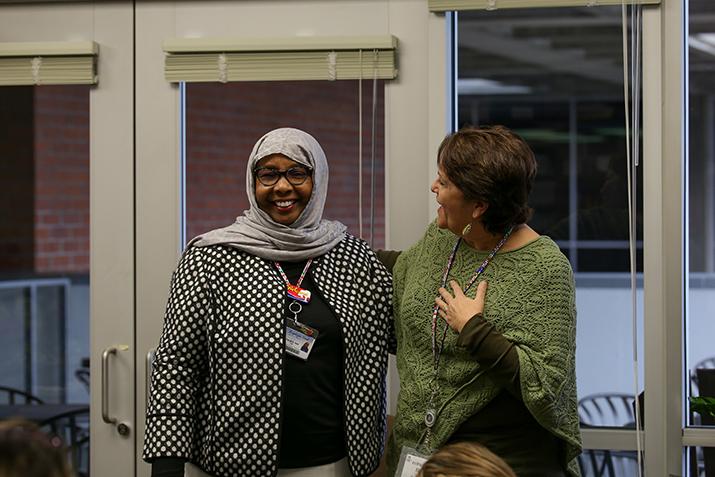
703, 405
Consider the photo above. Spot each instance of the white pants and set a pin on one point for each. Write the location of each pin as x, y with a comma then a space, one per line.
336, 469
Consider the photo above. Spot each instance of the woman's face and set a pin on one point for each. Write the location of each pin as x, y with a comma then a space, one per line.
283, 201
454, 210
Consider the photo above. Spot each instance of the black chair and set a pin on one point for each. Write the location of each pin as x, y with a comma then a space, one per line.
696, 455
707, 363
706, 382
73, 428
10, 395
608, 463
82, 375
607, 410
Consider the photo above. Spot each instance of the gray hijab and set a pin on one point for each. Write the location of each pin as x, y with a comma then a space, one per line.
256, 233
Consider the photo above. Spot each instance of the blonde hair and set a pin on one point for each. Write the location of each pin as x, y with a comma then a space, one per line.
26, 451
465, 459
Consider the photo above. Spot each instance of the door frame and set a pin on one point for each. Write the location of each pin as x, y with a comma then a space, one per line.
112, 270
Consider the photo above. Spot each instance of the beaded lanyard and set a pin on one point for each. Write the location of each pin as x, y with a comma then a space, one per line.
431, 412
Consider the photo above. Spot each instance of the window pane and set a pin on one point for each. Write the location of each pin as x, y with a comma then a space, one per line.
700, 324
44, 256
555, 76
699, 461
223, 122
44, 239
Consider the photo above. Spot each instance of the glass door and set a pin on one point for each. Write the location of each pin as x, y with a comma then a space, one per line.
66, 240
214, 126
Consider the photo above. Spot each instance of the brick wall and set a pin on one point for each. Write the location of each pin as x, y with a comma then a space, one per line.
224, 121
44, 167
61, 150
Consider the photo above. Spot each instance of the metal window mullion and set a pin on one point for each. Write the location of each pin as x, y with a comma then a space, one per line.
63, 339
699, 437
663, 113
609, 439
32, 347
46, 282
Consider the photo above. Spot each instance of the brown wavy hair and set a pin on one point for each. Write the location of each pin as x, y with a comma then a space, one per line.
26, 451
465, 459
491, 164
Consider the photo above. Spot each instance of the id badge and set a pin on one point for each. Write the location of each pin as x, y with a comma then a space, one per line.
297, 293
411, 461
300, 339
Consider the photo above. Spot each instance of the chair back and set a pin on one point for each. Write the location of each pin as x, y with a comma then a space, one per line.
82, 375
607, 410
73, 428
10, 395
707, 363
606, 463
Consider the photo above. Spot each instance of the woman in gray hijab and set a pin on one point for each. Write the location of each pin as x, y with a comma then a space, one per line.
273, 356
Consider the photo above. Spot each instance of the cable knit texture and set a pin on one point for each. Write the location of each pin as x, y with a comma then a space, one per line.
530, 300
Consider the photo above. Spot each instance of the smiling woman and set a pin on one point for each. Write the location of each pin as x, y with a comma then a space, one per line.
498, 369
283, 187
276, 325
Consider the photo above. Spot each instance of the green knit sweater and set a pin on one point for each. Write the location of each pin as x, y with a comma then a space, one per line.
530, 300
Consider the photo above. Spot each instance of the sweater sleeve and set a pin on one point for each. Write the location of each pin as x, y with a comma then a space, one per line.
180, 365
383, 292
388, 258
492, 350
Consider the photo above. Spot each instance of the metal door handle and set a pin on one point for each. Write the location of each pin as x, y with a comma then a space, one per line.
123, 427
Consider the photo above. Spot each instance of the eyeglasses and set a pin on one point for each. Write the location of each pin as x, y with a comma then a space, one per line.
269, 176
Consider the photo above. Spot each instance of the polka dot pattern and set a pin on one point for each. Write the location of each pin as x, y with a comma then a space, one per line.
217, 379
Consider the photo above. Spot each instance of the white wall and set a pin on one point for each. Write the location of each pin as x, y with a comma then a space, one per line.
604, 341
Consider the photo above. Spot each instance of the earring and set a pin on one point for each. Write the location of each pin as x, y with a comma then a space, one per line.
467, 228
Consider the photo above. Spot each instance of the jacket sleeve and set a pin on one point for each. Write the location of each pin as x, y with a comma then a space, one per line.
180, 364
492, 350
383, 292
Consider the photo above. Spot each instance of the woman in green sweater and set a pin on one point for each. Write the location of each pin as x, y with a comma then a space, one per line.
485, 319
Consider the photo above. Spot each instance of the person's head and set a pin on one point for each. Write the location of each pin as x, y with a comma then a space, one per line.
25, 451
287, 177
465, 459
485, 175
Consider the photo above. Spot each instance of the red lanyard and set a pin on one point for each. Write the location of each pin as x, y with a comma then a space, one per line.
302, 275
295, 291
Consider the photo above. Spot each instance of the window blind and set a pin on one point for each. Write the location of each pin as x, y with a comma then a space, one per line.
280, 59
34, 63
451, 5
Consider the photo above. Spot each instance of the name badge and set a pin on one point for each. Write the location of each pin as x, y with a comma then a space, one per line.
297, 293
300, 339
411, 461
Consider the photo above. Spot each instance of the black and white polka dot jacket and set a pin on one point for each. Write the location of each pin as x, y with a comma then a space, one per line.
217, 377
